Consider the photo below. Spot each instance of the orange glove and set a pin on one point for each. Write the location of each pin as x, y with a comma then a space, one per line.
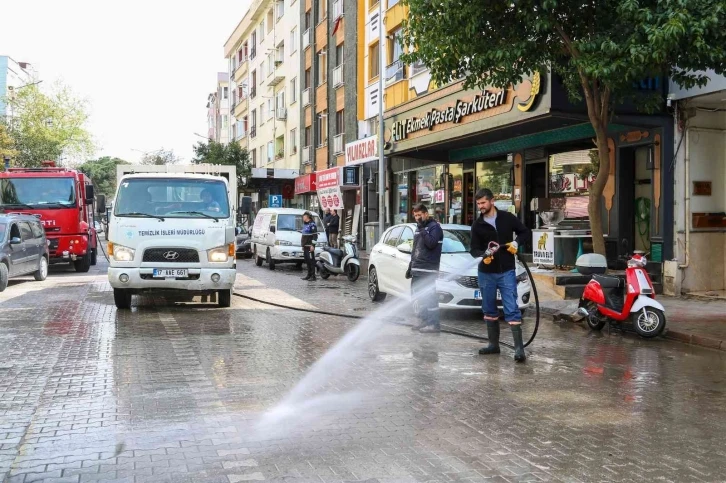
512, 247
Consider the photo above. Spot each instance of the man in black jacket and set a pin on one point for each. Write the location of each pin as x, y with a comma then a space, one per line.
423, 270
500, 273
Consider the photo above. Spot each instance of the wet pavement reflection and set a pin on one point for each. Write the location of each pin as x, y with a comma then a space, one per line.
171, 391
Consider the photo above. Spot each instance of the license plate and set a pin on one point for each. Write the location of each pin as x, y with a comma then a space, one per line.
477, 295
171, 273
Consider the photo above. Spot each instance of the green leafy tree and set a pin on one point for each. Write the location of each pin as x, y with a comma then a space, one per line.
44, 126
160, 157
6, 145
102, 172
231, 154
599, 48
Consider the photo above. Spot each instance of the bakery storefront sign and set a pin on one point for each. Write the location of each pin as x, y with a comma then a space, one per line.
328, 184
481, 102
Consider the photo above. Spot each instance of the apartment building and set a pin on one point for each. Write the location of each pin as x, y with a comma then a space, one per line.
329, 107
263, 54
13, 75
218, 128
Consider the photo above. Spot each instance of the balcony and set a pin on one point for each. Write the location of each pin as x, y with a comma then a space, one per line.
395, 72
337, 9
281, 113
241, 135
240, 70
417, 67
240, 108
253, 131
306, 38
338, 76
278, 75
306, 155
306, 97
338, 144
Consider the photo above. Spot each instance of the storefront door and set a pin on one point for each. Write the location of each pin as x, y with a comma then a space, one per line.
636, 200
535, 186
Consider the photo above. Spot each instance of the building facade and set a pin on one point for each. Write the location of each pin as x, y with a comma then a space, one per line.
218, 127
263, 54
13, 75
699, 166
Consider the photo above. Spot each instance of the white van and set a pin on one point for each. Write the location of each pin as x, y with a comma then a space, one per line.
276, 236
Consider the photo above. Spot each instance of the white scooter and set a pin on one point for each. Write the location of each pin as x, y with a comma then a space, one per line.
338, 262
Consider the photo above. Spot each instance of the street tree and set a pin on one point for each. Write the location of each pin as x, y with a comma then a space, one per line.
160, 157
600, 49
6, 145
45, 125
102, 172
230, 154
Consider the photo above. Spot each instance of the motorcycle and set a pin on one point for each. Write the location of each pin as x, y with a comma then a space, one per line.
338, 262
608, 299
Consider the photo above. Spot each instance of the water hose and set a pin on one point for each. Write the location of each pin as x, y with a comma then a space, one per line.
444, 328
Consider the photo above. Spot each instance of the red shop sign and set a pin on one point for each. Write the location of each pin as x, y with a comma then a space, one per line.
329, 178
305, 183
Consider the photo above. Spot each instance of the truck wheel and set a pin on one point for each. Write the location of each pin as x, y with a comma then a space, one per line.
83, 265
3, 277
122, 298
94, 257
224, 298
270, 261
42, 271
258, 260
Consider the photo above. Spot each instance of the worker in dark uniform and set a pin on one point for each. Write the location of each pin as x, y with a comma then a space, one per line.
423, 270
309, 234
498, 272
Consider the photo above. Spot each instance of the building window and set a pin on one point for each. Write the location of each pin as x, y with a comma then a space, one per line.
225, 93
270, 108
254, 158
322, 129
340, 122
394, 47
270, 20
293, 90
321, 10
262, 71
270, 64
261, 31
308, 133
307, 79
270, 151
293, 140
253, 45
374, 65
281, 9
322, 67
307, 20
339, 55
254, 118
293, 40
225, 122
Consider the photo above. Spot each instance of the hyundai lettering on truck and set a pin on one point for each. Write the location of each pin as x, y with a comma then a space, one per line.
63, 200
173, 232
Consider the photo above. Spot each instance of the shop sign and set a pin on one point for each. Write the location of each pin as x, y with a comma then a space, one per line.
481, 102
543, 247
361, 151
305, 184
439, 196
328, 184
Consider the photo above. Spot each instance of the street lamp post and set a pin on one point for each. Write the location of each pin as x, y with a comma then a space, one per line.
381, 156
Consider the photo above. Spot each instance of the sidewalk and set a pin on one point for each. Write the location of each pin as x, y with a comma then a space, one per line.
696, 321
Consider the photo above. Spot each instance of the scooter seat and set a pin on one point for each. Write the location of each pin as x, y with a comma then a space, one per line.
334, 251
608, 282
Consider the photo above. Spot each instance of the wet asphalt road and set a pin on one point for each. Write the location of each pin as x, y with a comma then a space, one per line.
177, 392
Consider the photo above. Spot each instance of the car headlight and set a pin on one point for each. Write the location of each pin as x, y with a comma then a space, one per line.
283, 243
220, 254
121, 253
522, 277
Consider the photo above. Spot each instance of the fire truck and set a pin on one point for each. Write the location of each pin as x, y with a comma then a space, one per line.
63, 200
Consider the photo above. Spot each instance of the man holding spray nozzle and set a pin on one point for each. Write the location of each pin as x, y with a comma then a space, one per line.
492, 239
423, 270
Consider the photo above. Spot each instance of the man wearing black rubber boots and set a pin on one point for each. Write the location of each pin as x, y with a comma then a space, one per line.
423, 270
498, 272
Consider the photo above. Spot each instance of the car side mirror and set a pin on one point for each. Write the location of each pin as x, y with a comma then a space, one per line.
15, 240
101, 204
272, 229
404, 247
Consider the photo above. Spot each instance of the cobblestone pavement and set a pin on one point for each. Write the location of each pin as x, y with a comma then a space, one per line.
178, 392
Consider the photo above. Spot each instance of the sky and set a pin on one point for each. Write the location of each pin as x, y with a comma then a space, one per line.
146, 67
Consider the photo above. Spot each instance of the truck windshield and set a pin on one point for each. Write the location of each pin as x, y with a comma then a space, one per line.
37, 192
172, 198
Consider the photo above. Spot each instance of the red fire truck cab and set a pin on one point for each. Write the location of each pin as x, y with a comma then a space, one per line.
63, 200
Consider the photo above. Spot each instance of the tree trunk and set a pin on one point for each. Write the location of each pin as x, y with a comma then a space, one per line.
594, 208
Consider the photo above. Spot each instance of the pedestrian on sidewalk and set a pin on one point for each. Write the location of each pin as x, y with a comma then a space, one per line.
423, 269
497, 226
333, 228
326, 223
309, 234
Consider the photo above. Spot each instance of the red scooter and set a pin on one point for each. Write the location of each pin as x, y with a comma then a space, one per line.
610, 299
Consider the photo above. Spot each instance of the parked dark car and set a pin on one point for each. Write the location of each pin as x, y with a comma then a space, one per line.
23, 248
243, 244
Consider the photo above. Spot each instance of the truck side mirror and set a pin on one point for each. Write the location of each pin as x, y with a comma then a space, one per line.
89, 194
101, 204
272, 229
